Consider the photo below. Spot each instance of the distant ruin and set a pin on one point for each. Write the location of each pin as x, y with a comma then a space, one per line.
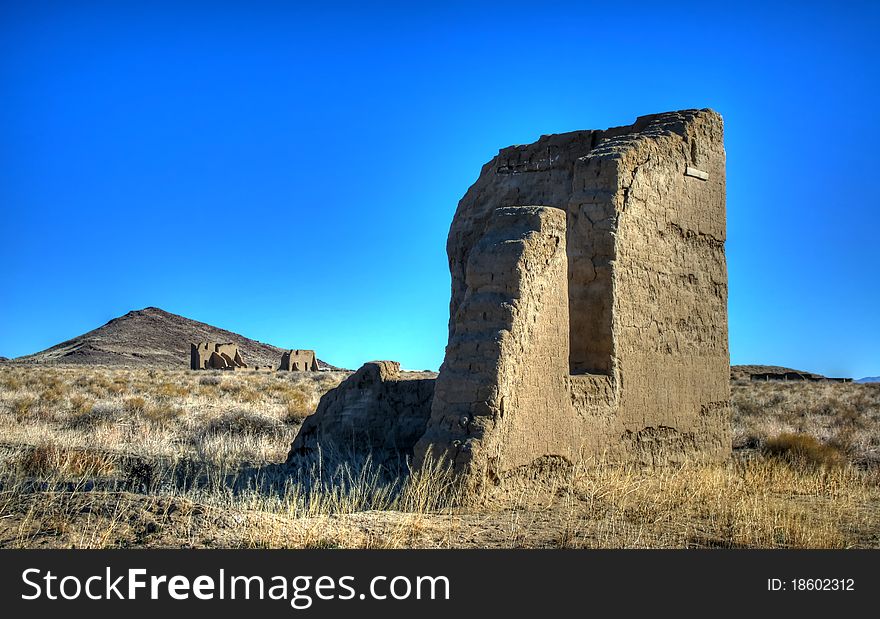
214, 356
299, 361
589, 308
797, 376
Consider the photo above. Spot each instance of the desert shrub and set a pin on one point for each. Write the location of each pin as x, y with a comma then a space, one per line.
231, 388
101, 413
327, 382
297, 406
11, 383
743, 439
98, 389
49, 459
53, 394
172, 390
48, 380
827, 406
79, 403
117, 387
748, 407
277, 386
210, 380
22, 406
248, 395
775, 399
139, 474
38, 461
866, 398
243, 422
848, 415
136, 404
161, 414
802, 449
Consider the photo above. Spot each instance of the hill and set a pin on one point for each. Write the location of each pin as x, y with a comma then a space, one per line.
152, 337
745, 371
869, 379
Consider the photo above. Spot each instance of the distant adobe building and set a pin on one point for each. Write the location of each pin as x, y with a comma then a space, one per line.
797, 376
214, 356
589, 306
299, 361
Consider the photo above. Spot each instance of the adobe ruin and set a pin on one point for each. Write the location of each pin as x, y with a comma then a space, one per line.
797, 376
588, 315
214, 356
377, 413
299, 361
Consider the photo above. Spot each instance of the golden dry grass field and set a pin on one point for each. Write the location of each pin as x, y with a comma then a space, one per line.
112, 457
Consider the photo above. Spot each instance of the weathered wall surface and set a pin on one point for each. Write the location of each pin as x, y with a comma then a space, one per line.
299, 361
670, 286
377, 412
539, 173
506, 352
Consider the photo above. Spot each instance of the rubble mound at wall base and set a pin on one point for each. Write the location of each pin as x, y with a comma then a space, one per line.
377, 414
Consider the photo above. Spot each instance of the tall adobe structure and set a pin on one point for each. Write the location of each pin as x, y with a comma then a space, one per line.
295, 360
589, 302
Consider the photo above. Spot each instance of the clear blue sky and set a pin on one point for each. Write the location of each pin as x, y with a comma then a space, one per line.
291, 173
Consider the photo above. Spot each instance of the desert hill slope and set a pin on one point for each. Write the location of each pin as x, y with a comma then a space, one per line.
152, 337
745, 371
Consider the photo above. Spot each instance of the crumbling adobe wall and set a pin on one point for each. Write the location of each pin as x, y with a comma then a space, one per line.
670, 285
588, 315
376, 413
646, 368
507, 352
214, 356
299, 361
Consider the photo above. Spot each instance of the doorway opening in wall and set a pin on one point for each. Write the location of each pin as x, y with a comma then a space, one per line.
590, 293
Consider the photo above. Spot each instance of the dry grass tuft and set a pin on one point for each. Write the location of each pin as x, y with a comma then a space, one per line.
803, 449
298, 406
136, 404
50, 460
22, 405
80, 403
102, 413
243, 422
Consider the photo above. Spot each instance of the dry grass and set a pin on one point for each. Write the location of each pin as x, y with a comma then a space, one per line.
841, 417
100, 457
157, 413
749, 502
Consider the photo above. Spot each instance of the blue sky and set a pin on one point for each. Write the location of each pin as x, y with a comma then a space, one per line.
291, 173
